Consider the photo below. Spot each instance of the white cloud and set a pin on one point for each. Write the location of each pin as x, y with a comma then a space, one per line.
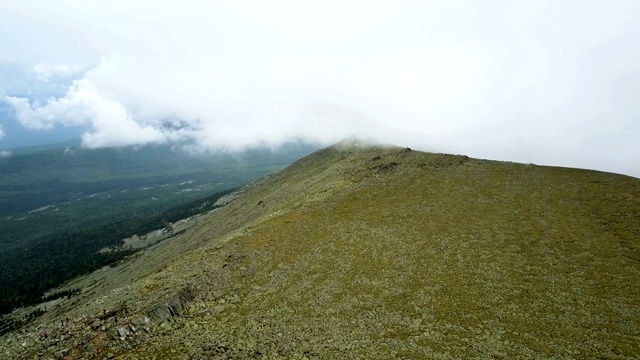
85, 104
45, 71
5, 153
536, 81
2, 134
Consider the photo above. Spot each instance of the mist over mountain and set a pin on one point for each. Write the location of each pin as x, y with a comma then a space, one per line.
546, 82
162, 195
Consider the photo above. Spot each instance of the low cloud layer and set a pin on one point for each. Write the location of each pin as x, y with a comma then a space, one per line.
537, 81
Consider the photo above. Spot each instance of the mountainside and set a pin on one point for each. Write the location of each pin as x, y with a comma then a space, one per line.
371, 252
60, 204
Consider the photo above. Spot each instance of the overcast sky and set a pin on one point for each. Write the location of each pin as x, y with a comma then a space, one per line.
548, 82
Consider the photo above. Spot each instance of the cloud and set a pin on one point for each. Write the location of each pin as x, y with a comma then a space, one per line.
5, 154
2, 134
45, 71
85, 104
537, 81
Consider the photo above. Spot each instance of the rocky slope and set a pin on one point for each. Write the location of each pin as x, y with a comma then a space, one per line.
361, 251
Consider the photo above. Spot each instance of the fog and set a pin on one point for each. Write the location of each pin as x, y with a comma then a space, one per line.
553, 83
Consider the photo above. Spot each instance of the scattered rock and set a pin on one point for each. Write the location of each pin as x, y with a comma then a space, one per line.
385, 168
175, 306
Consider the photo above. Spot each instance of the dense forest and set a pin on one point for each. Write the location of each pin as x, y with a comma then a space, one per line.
27, 275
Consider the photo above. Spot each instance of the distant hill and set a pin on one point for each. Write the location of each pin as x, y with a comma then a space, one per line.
374, 252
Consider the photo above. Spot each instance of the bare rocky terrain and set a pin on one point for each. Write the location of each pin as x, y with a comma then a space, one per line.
370, 252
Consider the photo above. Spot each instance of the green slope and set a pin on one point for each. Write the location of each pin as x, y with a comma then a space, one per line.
377, 252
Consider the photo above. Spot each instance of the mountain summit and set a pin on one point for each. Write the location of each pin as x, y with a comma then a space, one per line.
373, 252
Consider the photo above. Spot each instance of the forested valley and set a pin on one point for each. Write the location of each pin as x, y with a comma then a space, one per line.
60, 205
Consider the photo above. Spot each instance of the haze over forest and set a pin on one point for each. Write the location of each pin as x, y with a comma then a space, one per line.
547, 82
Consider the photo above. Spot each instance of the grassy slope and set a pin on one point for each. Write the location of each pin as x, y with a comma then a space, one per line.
345, 255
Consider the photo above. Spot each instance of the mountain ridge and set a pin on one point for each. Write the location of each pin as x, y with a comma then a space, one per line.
367, 251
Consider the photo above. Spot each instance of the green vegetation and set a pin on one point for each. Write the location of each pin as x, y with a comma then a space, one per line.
58, 208
371, 252
48, 193
28, 275
62, 293
383, 253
